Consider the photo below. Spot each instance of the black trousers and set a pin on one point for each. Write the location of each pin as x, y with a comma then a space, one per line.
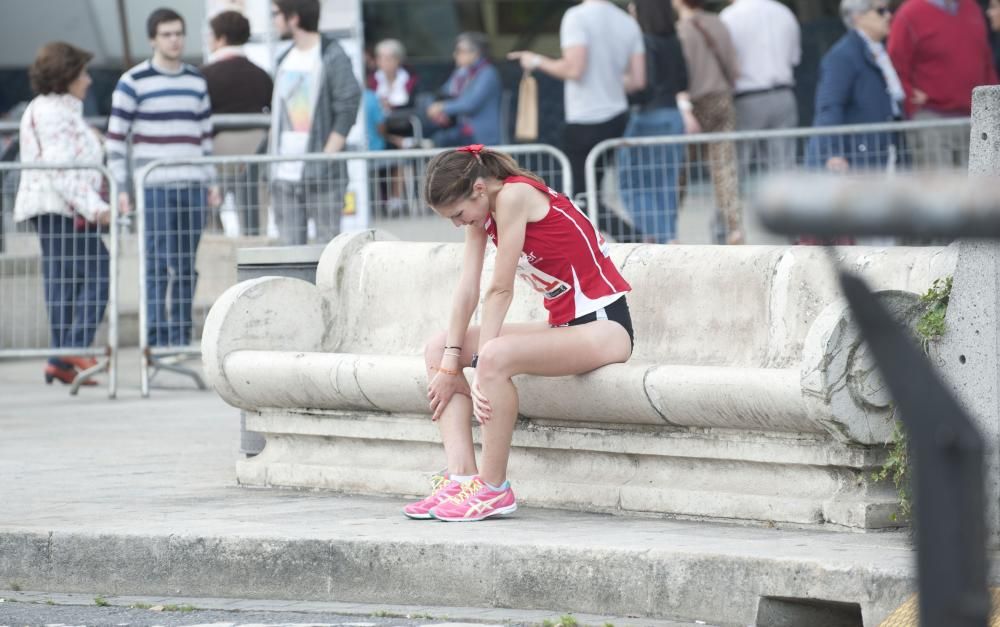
578, 141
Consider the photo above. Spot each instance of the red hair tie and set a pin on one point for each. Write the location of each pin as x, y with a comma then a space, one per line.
473, 149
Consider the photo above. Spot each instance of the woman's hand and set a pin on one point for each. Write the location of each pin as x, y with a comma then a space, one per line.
437, 115
691, 125
214, 197
837, 165
442, 387
480, 404
124, 205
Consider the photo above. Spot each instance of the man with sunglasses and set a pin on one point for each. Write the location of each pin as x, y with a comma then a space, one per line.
941, 51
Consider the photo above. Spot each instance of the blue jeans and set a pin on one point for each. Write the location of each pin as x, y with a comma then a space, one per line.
76, 267
648, 174
175, 217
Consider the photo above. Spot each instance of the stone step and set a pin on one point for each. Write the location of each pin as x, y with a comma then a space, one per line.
321, 547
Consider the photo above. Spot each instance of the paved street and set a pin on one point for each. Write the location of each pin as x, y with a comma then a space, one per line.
138, 497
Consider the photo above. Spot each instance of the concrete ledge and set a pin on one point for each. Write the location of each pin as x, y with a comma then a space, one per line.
257, 611
686, 581
716, 475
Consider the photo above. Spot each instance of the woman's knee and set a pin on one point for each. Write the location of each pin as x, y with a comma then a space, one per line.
494, 361
434, 348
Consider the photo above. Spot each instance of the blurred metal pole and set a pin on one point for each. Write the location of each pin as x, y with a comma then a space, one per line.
947, 451
831, 205
123, 23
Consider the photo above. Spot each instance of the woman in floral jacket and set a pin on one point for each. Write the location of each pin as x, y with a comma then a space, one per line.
65, 207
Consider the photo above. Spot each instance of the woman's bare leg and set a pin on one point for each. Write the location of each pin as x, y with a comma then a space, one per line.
455, 423
547, 352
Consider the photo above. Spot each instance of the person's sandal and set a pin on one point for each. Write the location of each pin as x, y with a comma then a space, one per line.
64, 373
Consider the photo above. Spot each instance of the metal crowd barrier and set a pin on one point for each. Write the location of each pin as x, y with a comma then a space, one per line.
237, 134
292, 201
636, 187
57, 281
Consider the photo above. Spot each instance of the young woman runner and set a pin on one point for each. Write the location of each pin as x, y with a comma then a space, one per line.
541, 236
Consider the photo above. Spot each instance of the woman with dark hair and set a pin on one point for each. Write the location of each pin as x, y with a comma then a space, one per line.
648, 174
235, 83
470, 110
540, 236
64, 206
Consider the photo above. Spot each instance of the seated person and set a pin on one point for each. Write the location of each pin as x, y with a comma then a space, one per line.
469, 111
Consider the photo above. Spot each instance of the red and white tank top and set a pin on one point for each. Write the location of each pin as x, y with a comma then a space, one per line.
566, 259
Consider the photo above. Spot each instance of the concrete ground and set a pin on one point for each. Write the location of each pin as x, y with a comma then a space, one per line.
31, 608
138, 497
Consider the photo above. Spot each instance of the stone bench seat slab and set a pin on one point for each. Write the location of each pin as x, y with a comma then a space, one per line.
644, 392
749, 396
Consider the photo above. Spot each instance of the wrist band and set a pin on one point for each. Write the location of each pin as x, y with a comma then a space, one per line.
457, 347
535, 61
447, 371
685, 105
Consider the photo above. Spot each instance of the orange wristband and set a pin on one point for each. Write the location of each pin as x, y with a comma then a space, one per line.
447, 371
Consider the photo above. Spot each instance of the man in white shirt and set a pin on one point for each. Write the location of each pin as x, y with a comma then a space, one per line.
603, 59
767, 39
315, 103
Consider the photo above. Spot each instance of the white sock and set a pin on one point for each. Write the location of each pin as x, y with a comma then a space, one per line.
461, 478
495, 488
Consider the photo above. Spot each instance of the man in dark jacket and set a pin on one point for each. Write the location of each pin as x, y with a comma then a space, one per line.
315, 104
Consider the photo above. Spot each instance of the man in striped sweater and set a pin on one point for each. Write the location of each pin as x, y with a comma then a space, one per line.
163, 103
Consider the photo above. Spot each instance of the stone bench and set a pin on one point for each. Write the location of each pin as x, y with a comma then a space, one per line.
748, 396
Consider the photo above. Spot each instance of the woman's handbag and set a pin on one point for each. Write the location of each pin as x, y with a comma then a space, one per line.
526, 127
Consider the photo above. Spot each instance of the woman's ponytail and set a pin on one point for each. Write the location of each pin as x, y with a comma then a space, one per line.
451, 174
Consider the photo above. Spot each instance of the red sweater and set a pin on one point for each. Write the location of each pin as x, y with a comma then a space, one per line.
943, 55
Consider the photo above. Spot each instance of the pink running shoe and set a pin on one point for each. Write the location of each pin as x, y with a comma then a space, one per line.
476, 501
443, 489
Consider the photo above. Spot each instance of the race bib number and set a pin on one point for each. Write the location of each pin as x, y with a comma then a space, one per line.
549, 286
